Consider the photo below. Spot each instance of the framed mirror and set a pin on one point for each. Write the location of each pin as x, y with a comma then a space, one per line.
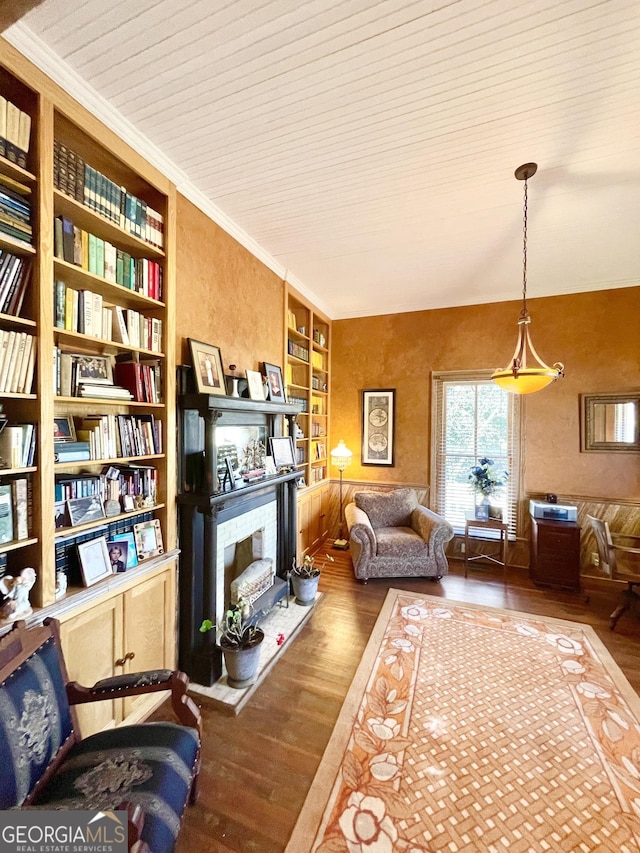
609, 422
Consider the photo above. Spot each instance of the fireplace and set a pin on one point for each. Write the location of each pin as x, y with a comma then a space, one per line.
215, 519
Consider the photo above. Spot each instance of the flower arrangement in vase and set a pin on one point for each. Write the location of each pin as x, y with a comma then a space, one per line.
485, 481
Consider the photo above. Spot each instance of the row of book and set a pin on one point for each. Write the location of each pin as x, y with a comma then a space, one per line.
319, 450
300, 401
17, 361
319, 338
292, 322
113, 483
318, 474
15, 502
88, 186
318, 383
102, 258
86, 312
15, 273
317, 360
15, 210
15, 132
297, 350
317, 430
18, 445
111, 436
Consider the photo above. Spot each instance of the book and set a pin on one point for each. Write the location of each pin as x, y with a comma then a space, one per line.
6, 513
19, 488
120, 333
129, 375
24, 135
59, 297
71, 451
67, 240
13, 132
3, 126
5, 361
11, 439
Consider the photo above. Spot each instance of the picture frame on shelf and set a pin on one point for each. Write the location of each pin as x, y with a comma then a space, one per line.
255, 384
128, 539
118, 555
93, 369
60, 514
378, 426
275, 384
207, 368
64, 428
282, 451
94, 560
85, 510
148, 539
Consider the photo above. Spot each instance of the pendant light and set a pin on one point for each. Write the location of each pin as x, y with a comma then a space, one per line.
518, 378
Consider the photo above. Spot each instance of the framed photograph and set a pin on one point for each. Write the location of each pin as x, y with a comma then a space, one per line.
94, 560
282, 451
255, 383
207, 367
118, 554
378, 426
148, 539
269, 466
275, 383
128, 540
230, 475
60, 514
495, 512
63, 428
96, 369
84, 510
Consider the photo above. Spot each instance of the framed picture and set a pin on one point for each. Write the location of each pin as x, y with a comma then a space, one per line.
63, 428
378, 426
282, 451
96, 369
128, 540
256, 386
118, 554
269, 466
94, 560
274, 383
148, 539
60, 514
207, 367
84, 510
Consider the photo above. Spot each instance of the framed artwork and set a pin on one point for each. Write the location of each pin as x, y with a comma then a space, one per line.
282, 451
63, 428
207, 367
84, 510
148, 539
94, 560
274, 383
256, 386
378, 426
118, 554
95, 369
128, 540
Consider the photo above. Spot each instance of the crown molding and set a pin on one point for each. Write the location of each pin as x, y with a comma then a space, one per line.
41, 55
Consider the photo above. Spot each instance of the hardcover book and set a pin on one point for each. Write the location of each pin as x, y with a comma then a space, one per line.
6, 514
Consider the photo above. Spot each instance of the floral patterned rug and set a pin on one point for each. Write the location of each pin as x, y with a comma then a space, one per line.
470, 728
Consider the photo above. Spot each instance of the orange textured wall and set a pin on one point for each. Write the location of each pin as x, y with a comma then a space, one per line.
594, 334
226, 296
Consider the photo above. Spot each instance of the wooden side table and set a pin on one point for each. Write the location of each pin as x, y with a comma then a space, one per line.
476, 524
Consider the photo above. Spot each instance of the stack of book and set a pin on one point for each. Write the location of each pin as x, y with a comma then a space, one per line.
15, 210
15, 133
14, 510
15, 273
17, 361
18, 445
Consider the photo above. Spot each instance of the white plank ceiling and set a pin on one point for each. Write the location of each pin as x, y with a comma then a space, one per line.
367, 150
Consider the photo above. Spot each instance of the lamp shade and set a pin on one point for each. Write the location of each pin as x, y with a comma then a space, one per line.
341, 456
525, 381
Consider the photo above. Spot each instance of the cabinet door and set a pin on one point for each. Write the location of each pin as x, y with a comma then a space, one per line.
304, 521
149, 634
91, 643
318, 516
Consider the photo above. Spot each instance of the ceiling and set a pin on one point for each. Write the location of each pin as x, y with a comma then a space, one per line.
366, 150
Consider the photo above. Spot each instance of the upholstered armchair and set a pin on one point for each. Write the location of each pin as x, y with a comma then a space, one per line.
392, 535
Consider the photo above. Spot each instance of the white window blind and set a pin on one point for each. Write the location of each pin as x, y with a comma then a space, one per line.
473, 418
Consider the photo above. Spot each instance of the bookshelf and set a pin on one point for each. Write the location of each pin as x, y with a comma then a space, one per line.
145, 301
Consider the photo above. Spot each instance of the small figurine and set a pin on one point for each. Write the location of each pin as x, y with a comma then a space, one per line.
16, 595
61, 584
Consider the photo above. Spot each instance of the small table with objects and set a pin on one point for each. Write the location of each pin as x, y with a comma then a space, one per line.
473, 533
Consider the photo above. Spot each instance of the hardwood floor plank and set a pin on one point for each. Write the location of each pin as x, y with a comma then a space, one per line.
258, 766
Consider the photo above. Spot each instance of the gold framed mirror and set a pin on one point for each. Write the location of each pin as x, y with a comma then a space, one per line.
610, 422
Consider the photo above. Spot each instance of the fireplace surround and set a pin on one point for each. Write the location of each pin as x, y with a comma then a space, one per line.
213, 516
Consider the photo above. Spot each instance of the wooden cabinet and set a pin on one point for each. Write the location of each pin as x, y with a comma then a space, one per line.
313, 519
128, 631
109, 211
555, 553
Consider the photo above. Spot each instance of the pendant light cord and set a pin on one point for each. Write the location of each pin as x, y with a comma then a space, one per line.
524, 313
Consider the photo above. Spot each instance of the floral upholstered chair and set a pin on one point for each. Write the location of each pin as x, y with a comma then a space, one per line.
150, 770
392, 535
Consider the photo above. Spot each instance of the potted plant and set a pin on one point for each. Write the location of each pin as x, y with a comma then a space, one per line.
305, 579
486, 480
240, 638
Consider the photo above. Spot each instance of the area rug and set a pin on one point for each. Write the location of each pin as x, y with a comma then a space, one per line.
470, 728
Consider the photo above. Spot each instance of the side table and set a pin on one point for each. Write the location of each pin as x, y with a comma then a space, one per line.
475, 524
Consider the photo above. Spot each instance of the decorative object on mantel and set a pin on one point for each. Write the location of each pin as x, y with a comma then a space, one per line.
239, 637
15, 592
341, 457
305, 579
207, 368
518, 378
486, 481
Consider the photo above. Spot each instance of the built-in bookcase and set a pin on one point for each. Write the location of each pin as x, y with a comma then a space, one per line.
122, 221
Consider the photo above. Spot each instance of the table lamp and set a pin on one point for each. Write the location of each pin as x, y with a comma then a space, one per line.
341, 457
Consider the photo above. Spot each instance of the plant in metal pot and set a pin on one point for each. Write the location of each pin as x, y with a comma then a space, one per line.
305, 579
239, 637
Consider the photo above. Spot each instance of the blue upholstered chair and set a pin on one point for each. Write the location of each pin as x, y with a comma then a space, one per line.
149, 769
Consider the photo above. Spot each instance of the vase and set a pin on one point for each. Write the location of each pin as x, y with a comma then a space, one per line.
242, 663
305, 589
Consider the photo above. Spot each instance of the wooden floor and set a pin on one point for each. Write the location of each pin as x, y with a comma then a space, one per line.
258, 766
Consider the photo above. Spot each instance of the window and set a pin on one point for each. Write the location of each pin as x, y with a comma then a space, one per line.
473, 418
